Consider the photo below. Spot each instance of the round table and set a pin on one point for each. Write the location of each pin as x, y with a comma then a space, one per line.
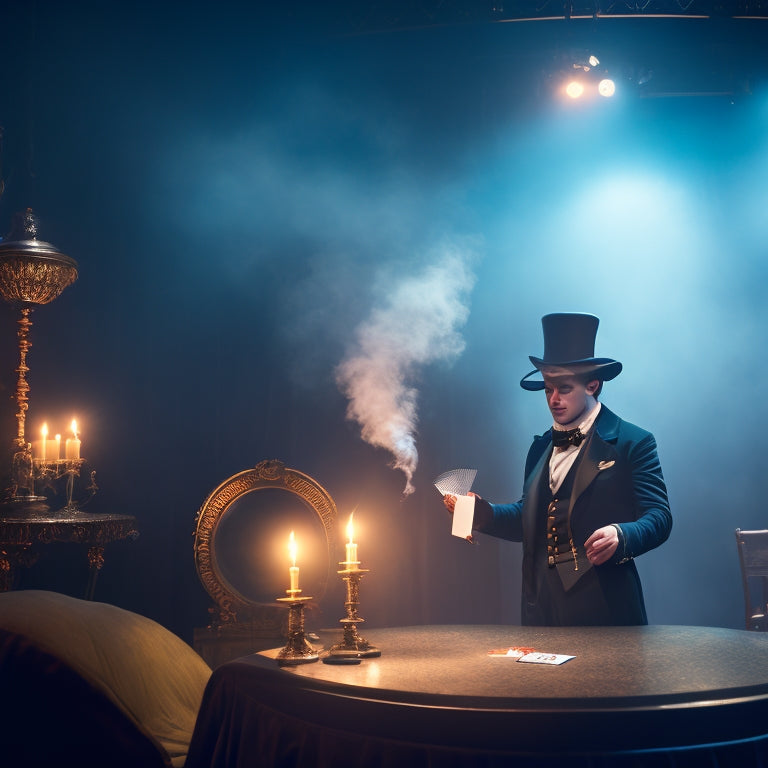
22, 535
436, 693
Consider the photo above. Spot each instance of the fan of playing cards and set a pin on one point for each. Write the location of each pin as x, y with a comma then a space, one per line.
457, 482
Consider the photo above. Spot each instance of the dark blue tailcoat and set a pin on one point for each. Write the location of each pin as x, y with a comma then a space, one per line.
618, 479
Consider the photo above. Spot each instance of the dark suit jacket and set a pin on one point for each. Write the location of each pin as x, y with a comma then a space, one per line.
618, 480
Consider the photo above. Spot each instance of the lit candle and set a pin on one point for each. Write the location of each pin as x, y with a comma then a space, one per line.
43, 441
352, 561
294, 569
72, 446
57, 447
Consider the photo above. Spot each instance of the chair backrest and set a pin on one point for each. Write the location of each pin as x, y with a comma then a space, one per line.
753, 558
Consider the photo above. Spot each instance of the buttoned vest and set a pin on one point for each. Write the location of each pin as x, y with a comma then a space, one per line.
561, 550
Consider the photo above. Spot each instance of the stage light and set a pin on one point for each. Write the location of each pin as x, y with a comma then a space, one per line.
606, 88
574, 89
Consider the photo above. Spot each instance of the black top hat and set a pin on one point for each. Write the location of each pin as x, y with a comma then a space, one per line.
569, 342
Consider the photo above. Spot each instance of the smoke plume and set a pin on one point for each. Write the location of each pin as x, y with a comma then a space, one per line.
417, 322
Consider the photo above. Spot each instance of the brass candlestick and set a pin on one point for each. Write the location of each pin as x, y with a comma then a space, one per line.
353, 645
48, 472
298, 649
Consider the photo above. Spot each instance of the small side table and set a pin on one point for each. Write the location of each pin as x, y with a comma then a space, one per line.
22, 534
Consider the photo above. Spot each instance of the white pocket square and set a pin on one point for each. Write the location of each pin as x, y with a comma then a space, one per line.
604, 465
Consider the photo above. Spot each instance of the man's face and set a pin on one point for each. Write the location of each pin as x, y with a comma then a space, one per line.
568, 398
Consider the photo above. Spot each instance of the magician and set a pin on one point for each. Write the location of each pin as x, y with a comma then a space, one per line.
594, 496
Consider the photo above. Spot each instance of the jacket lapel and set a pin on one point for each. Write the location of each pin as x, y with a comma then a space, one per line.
533, 482
600, 451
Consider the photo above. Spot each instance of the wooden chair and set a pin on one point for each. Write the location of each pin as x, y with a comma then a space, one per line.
753, 557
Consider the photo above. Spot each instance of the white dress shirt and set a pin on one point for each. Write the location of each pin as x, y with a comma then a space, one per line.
562, 459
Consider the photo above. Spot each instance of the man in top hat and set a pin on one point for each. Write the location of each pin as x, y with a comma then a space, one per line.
594, 496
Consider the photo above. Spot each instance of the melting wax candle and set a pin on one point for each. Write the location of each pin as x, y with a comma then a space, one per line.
72, 446
352, 561
294, 569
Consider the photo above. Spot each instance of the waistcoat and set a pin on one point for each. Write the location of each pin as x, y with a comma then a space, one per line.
553, 508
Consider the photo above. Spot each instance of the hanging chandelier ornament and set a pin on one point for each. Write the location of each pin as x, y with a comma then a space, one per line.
31, 270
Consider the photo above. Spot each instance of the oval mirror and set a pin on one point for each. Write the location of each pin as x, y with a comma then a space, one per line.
242, 538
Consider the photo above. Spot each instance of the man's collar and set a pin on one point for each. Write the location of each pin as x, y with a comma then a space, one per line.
586, 423
606, 425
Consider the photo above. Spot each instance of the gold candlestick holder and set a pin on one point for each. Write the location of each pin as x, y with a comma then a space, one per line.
352, 644
298, 649
33, 476
48, 472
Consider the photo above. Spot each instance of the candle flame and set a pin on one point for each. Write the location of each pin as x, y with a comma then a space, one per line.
292, 548
73, 427
350, 530
44, 430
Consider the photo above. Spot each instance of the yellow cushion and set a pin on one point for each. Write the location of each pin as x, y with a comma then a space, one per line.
147, 671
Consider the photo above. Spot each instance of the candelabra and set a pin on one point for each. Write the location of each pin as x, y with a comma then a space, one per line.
352, 644
32, 272
48, 472
298, 650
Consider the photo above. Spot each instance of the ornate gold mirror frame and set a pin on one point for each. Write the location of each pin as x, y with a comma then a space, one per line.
232, 605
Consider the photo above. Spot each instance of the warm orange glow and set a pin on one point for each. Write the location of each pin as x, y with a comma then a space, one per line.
293, 571
351, 548
351, 530
72, 445
44, 441
574, 89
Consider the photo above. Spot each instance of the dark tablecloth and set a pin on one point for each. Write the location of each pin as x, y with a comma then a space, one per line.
632, 696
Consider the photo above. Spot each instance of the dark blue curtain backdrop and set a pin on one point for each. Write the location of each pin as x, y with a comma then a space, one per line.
258, 197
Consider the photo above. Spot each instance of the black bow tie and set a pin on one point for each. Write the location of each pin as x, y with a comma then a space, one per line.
562, 438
